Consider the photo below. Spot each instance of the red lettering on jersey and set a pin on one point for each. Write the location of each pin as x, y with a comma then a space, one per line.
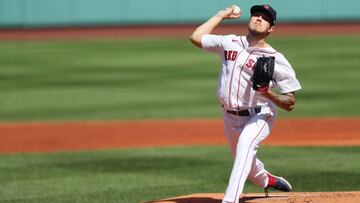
234, 54
230, 55
250, 64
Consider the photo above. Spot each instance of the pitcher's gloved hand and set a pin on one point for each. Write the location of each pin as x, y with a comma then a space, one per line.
263, 73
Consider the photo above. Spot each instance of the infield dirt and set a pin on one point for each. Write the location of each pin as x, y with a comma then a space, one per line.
45, 137
182, 31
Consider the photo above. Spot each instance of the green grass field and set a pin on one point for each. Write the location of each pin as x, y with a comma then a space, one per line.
161, 78
137, 175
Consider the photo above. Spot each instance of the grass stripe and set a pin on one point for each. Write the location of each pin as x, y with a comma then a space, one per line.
160, 78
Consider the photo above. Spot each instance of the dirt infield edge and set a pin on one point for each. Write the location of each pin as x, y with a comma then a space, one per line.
57, 136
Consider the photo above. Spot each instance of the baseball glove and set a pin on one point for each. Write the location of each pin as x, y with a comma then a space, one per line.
263, 73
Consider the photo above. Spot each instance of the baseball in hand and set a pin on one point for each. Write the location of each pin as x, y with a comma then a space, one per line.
236, 10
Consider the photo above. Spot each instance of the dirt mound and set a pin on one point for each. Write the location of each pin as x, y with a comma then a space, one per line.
293, 197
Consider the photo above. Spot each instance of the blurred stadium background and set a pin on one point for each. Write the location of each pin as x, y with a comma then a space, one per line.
42, 13
142, 74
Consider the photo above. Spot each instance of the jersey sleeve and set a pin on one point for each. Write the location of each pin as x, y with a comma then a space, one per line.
285, 76
212, 43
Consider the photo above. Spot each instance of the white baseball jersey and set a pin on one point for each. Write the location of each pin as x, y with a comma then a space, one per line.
238, 59
245, 133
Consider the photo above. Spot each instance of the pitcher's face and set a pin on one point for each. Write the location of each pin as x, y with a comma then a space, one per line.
259, 24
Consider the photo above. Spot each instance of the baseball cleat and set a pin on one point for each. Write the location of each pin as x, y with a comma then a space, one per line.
277, 183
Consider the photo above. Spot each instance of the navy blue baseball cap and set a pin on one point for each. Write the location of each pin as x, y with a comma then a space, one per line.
265, 9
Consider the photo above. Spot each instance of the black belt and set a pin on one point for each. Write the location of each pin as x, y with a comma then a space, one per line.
247, 112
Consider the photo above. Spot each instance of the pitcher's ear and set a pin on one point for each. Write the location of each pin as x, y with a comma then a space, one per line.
271, 29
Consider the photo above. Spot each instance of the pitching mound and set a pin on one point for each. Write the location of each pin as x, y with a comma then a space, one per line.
293, 197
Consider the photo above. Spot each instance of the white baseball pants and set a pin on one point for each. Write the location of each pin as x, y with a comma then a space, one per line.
244, 135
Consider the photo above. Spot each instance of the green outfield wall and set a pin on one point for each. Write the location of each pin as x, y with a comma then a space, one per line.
38, 13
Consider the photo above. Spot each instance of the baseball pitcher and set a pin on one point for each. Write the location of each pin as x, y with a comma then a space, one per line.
250, 69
